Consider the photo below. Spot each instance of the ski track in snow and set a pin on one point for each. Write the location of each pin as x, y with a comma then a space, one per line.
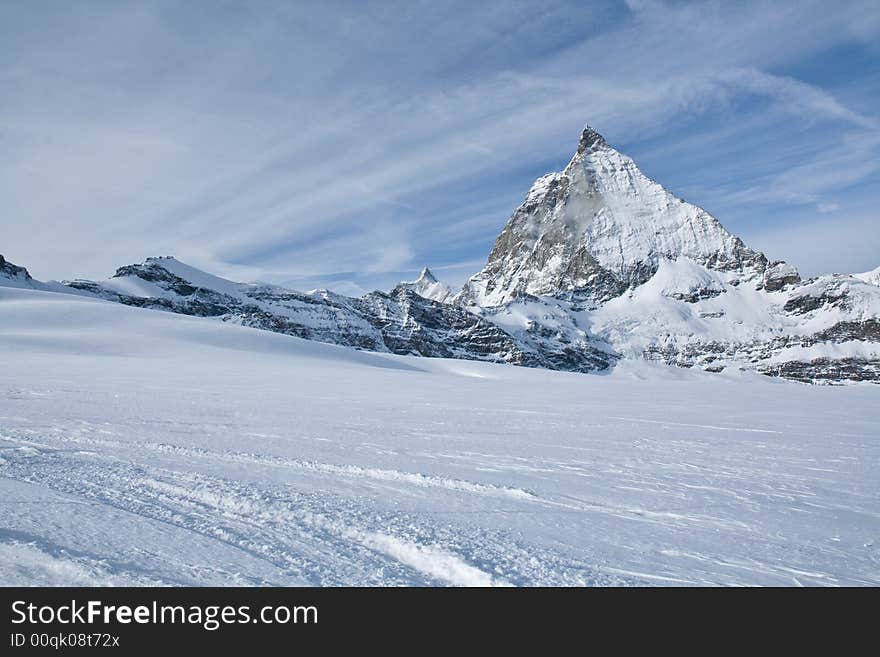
695, 426
138, 461
306, 535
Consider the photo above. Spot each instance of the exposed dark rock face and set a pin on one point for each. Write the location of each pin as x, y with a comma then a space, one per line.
867, 330
411, 324
826, 370
802, 304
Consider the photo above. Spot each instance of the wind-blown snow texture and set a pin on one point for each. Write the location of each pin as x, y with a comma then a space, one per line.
139, 447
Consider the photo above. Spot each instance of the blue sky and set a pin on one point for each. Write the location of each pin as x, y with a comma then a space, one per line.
348, 144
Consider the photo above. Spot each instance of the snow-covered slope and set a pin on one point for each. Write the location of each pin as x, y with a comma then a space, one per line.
141, 447
402, 321
599, 227
12, 275
824, 330
872, 276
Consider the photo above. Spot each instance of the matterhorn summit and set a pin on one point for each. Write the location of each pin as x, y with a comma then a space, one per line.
598, 228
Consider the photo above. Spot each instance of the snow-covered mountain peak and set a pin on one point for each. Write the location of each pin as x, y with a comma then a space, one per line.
168, 263
425, 276
168, 272
599, 227
590, 139
427, 286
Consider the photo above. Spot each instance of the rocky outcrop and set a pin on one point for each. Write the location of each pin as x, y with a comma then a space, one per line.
13, 272
779, 274
826, 370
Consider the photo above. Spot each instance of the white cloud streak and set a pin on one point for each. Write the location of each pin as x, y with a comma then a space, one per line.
294, 143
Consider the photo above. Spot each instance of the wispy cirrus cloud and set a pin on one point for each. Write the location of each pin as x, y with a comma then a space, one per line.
347, 145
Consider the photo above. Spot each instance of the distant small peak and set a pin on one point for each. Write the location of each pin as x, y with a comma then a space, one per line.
426, 276
141, 268
426, 286
147, 264
589, 139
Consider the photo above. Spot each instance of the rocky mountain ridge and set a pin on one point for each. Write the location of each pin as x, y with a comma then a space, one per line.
597, 264
400, 321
